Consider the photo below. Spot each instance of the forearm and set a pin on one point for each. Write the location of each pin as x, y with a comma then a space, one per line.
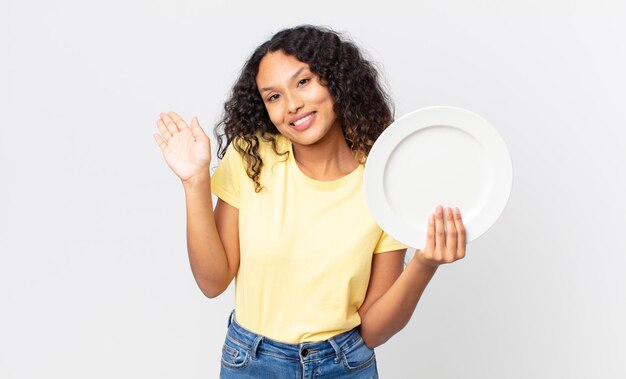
392, 311
207, 256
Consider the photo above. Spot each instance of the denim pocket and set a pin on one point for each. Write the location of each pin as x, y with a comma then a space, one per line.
358, 355
233, 354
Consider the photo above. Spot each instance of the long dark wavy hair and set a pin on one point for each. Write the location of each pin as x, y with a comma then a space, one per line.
363, 107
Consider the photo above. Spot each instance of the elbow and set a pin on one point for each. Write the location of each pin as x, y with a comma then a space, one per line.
373, 343
211, 294
376, 332
373, 339
212, 290
212, 284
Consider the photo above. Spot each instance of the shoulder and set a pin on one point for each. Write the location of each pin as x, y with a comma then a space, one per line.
254, 154
266, 143
274, 148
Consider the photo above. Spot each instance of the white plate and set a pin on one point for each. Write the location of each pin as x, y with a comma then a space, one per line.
437, 155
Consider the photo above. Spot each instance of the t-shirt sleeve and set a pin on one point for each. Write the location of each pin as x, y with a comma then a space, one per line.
388, 243
226, 180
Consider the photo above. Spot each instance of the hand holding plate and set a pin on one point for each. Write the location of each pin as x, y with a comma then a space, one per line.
446, 239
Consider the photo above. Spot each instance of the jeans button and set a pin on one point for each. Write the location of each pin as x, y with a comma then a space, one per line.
304, 352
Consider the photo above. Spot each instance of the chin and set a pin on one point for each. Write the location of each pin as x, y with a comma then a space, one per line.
307, 139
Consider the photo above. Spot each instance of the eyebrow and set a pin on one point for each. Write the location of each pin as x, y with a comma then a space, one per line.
265, 89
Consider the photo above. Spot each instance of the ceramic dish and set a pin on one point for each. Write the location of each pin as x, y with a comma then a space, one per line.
437, 155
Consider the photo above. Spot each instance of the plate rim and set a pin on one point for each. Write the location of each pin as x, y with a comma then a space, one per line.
374, 184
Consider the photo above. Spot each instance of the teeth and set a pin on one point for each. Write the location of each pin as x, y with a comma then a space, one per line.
303, 119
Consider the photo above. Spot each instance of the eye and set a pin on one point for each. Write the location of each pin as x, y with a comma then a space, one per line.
303, 82
273, 97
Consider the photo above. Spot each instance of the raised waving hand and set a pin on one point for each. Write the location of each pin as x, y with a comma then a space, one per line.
186, 149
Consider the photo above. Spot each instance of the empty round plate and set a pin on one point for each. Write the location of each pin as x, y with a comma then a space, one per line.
438, 155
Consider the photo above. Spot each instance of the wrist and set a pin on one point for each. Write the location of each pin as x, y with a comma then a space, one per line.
422, 264
197, 182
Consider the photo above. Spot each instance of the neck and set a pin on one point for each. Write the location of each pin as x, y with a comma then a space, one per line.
328, 159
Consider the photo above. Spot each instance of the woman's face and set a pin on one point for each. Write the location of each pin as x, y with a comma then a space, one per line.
299, 106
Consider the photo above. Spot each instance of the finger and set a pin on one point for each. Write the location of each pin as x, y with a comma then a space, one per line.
462, 237
169, 123
160, 141
180, 123
196, 129
163, 129
451, 236
440, 242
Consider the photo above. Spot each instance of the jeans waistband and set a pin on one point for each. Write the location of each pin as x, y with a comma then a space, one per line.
305, 351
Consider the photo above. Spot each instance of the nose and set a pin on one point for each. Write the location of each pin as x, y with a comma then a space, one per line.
294, 102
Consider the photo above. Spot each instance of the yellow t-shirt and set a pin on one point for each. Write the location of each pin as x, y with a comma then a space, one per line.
306, 247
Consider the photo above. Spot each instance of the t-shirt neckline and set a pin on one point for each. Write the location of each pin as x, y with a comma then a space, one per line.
321, 184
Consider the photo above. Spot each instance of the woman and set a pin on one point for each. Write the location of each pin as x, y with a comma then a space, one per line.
319, 285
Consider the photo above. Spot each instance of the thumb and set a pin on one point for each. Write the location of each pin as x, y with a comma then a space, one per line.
196, 129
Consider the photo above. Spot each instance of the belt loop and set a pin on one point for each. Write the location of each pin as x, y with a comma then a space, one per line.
230, 317
255, 345
337, 349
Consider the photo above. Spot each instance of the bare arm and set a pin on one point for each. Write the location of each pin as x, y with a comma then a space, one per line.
384, 315
212, 236
393, 294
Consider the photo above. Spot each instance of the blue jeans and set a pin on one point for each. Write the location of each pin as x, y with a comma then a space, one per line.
249, 355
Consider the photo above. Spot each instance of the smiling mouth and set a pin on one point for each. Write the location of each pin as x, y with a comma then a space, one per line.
303, 119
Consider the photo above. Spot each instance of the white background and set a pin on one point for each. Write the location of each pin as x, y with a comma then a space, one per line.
94, 277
